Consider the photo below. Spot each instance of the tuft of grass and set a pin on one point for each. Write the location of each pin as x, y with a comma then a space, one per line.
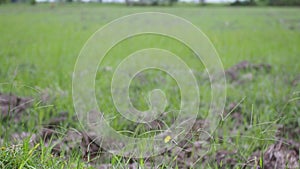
39, 156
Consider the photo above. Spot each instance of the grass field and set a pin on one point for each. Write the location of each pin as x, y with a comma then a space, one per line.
39, 46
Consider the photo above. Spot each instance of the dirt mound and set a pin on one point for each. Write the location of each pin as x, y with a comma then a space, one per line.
185, 154
296, 81
283, 154
290, 130
68, 140
12, 106
243, 71
234, 111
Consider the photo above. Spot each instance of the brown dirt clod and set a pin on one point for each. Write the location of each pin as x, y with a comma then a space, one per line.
241, 72
12, 106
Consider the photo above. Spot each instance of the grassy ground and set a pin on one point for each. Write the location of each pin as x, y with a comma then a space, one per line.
39, 46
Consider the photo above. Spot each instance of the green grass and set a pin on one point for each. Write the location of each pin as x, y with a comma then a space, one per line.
25, 156
39, 46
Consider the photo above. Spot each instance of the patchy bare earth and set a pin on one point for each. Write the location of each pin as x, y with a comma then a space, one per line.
284, 153
13, 107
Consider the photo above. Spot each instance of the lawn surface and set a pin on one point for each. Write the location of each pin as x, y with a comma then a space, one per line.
39, 46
